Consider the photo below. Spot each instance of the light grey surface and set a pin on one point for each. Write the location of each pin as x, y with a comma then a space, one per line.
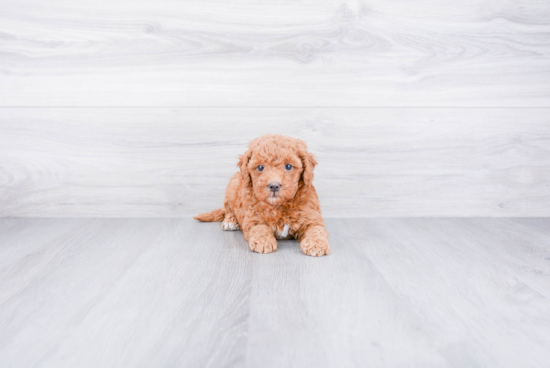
414, 108
275, 53
171, 162
174, 292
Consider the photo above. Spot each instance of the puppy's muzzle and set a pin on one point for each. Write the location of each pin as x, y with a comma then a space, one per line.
274, 187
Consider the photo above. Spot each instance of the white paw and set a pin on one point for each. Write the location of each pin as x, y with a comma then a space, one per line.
230, 226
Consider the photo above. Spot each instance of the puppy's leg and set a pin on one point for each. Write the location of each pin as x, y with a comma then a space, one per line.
261, 239
314, 241
230, 222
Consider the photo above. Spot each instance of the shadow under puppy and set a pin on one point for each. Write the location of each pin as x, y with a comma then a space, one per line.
273, 197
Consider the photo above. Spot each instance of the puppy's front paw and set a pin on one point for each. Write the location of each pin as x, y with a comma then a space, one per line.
315, 246
230, 225
263, 244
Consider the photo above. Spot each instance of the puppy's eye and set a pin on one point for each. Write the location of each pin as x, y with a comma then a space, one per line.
288, 166
260, 168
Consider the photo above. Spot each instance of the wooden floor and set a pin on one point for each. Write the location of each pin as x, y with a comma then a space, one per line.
174, 292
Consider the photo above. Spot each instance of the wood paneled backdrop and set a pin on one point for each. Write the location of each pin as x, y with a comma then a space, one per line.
128, 108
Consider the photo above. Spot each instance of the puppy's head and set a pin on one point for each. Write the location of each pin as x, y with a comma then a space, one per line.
275, 167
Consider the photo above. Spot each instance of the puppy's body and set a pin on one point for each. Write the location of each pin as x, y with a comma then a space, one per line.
273, 197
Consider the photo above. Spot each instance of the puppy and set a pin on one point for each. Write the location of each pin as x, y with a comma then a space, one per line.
272, 197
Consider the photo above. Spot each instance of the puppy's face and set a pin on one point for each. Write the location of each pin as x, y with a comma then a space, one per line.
276, 177
275, 167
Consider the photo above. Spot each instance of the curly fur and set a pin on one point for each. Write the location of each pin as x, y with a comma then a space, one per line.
250, 206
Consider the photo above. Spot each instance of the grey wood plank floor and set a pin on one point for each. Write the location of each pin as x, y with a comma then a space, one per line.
439, 292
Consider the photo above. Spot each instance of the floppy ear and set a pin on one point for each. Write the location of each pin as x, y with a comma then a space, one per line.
243, 166
308, 162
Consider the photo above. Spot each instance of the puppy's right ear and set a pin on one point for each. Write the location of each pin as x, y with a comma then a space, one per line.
243, 166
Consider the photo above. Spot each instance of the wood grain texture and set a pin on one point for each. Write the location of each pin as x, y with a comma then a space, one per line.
122, 293
283, 53
176, 162
173, 292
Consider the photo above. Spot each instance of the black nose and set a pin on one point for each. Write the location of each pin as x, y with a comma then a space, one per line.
274, 187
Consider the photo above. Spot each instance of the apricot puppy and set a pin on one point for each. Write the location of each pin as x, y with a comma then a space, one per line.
272, 197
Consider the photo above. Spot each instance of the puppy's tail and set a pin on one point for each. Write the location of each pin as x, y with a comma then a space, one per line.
214, 216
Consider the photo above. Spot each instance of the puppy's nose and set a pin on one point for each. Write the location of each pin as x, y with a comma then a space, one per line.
274, 187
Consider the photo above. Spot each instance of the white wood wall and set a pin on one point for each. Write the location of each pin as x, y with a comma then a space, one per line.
129, 108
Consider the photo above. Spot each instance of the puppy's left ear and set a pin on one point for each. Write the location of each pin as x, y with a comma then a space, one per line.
308, 162
243, 167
